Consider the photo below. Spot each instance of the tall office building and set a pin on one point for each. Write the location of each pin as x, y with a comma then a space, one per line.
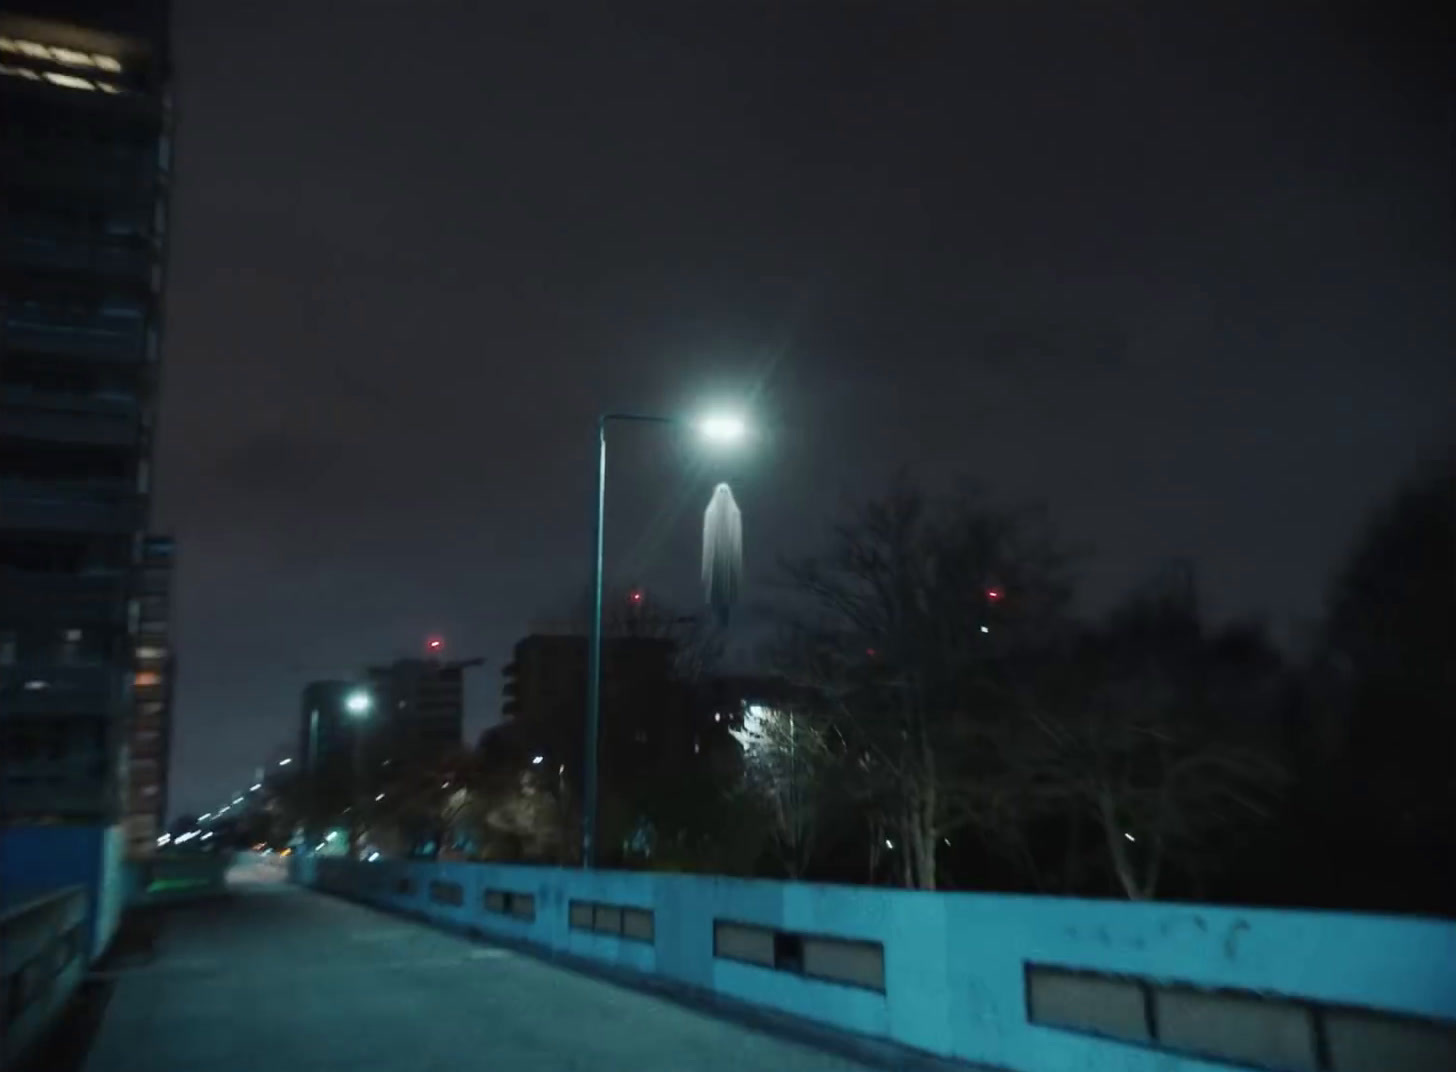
421, 703
85, 145
149, 738
547, 674
327, 727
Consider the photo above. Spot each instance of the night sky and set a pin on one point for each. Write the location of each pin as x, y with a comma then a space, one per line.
1186, 278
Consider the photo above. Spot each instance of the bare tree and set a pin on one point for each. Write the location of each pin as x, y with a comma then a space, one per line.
437, 801
789, 767
910, 630
1142, 735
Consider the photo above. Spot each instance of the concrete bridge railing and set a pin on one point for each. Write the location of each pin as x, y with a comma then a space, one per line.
44, 948
1023, 983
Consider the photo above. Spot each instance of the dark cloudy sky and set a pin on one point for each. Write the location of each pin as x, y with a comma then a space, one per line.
1186, 277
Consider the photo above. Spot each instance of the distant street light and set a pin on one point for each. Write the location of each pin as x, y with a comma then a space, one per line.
536, 761
255, 788
719, 428
358, 702
379, 798
284, 762
204, 817
237, 800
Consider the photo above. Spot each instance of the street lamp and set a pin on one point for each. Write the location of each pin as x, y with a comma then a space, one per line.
717, 428
723, 428
358, 704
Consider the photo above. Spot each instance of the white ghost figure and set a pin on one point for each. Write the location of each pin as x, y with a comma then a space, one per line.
722, 552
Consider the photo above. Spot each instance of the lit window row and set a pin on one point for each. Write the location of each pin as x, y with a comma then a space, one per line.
69, 81
69, 57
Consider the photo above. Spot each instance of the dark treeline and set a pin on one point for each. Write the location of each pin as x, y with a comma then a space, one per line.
937, 716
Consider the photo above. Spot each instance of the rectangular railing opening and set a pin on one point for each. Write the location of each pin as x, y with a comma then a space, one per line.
849, 961
447, 893
622, 921
1242, 1027
521, 906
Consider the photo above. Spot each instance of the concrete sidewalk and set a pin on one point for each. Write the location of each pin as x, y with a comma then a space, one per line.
273, 976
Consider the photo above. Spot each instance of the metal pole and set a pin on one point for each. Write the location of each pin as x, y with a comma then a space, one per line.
594, 664
355, 816
313, 787
594, 648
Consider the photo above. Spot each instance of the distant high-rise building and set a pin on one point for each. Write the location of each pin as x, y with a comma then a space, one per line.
547, 672
328, 728
150, 737
421, 704
85, 152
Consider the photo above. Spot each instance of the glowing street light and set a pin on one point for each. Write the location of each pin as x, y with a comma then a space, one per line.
536, 761
358, 702
724, 428
285, 761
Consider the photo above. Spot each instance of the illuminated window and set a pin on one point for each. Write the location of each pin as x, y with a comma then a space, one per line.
147, 652
72, 58
70, 81
68, 56
148, 677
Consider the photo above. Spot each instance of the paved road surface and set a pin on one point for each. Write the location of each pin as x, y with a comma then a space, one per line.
275, 977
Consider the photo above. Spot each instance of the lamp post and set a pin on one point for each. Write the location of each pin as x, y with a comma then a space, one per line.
358, 704
721, 429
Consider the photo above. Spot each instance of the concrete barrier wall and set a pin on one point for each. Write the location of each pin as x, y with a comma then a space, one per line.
41, 859
43, 958
1025, 983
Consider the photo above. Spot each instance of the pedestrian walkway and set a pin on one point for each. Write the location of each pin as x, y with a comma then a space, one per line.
274, 976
